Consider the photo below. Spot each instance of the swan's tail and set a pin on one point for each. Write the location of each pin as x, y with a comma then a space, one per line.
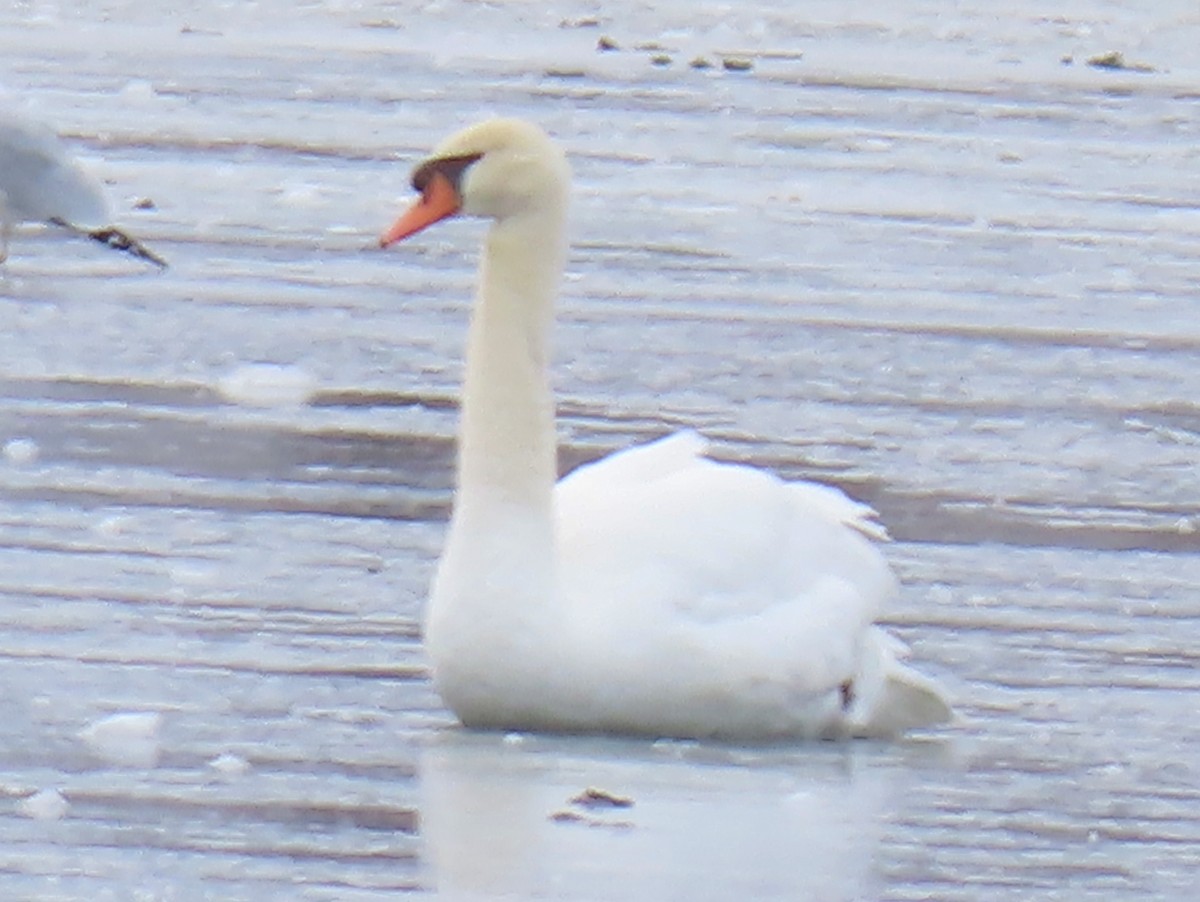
896, 698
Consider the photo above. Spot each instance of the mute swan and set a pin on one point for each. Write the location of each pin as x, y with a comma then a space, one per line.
39, 182
654, 592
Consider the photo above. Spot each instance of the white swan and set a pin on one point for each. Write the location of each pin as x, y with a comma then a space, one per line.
653, 592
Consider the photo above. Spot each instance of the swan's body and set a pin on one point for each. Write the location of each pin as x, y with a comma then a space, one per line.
655, 591
40, 182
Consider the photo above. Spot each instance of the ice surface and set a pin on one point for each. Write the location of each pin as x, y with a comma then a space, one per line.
911, 252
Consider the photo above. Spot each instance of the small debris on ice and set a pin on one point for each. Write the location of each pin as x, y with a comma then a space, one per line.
601, 798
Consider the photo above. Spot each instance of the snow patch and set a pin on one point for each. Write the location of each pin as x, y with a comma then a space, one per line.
267, 385
46, 805
230, 765
129, 739
21, 451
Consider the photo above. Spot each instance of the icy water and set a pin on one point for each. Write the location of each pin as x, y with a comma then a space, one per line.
925, 252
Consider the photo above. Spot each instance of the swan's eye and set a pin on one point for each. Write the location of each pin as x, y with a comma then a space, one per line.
450, 167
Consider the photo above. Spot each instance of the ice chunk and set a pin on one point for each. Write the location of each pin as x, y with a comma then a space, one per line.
267, 385
230, 765
21, 451
138, 90
129, 739
47, 805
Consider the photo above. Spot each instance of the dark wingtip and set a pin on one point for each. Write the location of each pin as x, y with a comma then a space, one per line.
121, 241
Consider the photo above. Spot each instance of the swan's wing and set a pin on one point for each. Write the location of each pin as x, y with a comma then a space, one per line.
837, 505
679, 451
665, 528
639, 464
725, 589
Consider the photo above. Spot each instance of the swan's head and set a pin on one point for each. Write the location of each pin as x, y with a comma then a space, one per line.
499, 168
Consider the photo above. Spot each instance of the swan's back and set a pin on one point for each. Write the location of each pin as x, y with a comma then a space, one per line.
723, 531
722, 600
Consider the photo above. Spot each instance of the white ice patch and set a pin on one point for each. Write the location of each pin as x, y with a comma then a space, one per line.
129, 739
111, 527
302, 194
138, 90
230, 765
21, 451
267, 385
47, 805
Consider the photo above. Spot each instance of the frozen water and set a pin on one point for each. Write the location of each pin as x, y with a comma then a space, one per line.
922, 251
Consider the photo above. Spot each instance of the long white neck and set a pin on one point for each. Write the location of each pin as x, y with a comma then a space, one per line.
507, 448
493, 602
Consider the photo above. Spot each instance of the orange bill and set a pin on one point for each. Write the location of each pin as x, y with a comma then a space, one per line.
437, 201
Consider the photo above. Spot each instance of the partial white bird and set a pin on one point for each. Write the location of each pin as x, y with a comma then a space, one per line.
40, 182
654, 592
